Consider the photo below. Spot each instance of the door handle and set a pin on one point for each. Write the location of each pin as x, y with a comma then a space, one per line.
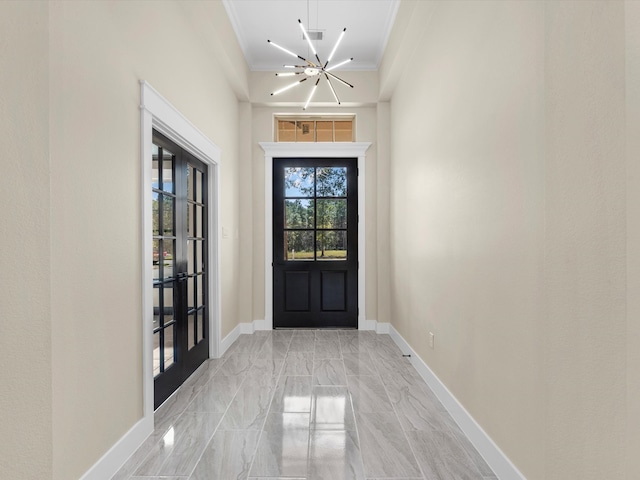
181, 277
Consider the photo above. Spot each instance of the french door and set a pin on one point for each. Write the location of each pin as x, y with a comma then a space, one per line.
180, 308
315, 243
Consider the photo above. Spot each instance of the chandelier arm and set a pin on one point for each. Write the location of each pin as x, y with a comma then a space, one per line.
289, 86
344, 62
336, 45
333, 90
338, 78
313, 91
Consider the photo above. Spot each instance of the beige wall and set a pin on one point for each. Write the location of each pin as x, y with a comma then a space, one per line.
25, 323
632, 91
585, 222
509, 222
99, 52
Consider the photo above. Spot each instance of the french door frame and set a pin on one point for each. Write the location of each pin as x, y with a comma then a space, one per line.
158, 114
313, 150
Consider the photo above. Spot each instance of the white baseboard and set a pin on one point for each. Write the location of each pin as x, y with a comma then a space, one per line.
260, 325
231, 337
378, 327
368, 325
495, 458
382, 327
119, 453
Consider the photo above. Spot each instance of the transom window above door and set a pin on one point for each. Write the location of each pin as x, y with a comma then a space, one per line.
317, 129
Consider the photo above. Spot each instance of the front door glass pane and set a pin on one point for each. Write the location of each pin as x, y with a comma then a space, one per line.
299, 182
331, 245
298, 213
298, 245
332, 213
332, 181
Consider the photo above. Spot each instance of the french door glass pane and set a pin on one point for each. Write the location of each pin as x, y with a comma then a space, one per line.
298, 213
190, 182
166, 257
169, 346
167, 215
199, 282
155, 210
155, 174
200, 324
192, 328
167, 298
156, 353
198, 266
167, 173
299, 182
199, 220
331, 245
299, 245
198, 186
190, 293
156, 259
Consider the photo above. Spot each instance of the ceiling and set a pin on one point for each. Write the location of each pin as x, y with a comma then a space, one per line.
368, 24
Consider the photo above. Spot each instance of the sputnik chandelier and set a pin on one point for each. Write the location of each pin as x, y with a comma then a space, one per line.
312, 69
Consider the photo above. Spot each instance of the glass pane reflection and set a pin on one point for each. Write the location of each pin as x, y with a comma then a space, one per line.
191, 321
167, 174
167, 215
167, 259
331, 412
156, 353
169, 354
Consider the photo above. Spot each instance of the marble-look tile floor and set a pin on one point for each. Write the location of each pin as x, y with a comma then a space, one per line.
306, 404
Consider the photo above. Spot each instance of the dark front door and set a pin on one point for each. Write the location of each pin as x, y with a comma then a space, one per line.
315, 243
180, 308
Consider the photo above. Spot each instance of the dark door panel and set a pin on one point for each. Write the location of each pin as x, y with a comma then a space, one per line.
315, 244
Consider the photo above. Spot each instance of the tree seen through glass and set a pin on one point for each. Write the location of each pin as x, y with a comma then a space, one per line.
315, 213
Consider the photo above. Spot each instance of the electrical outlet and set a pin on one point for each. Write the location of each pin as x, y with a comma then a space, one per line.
432, 339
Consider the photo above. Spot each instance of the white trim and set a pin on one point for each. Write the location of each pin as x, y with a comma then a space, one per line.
231, 337
495, 458
313, 150
158, 113
119, 453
